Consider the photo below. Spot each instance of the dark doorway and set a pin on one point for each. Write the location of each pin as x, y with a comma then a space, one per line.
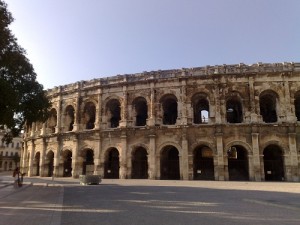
203, 164
114, 110
52, 120
37, 163
273, 163
88, 163
234, 113
139, 164
141, 110
238, 163
50, 159
67, 164
169, 106
267, 104
201, 111
169, 168
69, 118
111, 167
90, 115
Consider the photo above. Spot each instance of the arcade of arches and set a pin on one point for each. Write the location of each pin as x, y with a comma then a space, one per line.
228, 122
203, 164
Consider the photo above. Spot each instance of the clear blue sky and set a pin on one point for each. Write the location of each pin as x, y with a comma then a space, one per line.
73, 40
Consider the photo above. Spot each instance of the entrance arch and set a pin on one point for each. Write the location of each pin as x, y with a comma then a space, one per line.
88, 162
203, 166
50, 163
67, 157
112, 164
139, 164
170, 109
273, 163
169, 161
141, 111
37, 163
238, 167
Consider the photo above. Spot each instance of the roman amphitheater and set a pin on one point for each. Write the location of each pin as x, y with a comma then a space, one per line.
226, 122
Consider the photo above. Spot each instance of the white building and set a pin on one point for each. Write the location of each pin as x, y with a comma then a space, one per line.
10, 153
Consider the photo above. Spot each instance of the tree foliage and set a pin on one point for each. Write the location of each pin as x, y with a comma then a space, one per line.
22, 98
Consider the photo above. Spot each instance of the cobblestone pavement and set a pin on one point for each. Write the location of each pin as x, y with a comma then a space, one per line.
62, 201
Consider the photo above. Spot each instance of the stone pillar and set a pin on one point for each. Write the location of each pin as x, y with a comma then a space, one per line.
31, 157
221, 173
77, 113
151, 107
253, 113
98, 111
262, 167
33, 128
42, 158
57, 159
250, 167
97, 161
256, 158
123, 122
151, 157
183, 108
189, 113
75, 159
24, 158
123, 164
59, 110
43, 130
290, 114
158, 164
218, 118
184, 165
294, 172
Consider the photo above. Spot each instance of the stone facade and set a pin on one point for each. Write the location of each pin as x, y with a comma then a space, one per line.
227, 122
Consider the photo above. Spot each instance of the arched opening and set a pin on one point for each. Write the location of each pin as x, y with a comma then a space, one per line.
111, 165
52, 121
88, 162
267, 103
201, 109
139, 164
67, 158
141, 111
203, 166
297, 105
169, 107
50, 163
89, 115
234, 112
69, 118
37, 163
238, 167
114, 112
273, 163
169, 163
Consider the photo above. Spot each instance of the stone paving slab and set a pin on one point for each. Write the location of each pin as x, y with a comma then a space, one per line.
42, 198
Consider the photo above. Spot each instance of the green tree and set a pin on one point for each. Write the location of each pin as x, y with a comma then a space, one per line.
22, 98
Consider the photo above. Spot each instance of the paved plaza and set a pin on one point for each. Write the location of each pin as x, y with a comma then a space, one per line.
43, 201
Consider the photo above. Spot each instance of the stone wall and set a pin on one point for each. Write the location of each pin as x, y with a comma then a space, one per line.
228, 122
